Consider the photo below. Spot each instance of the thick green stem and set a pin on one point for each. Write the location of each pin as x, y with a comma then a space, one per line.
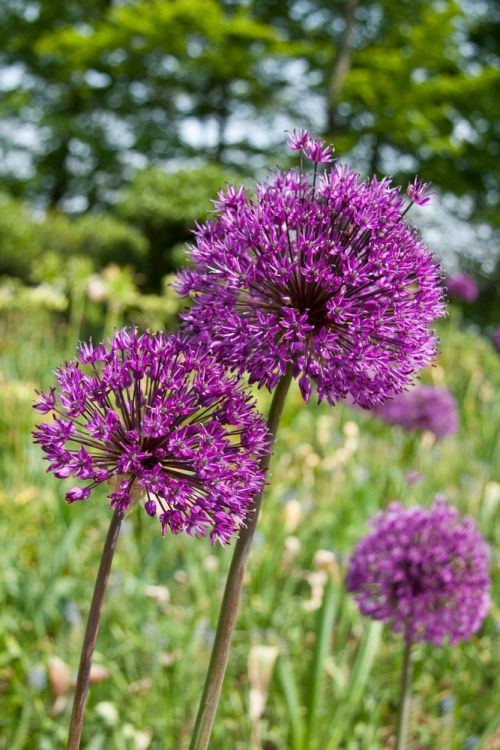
89, 641
229, 608
405, 699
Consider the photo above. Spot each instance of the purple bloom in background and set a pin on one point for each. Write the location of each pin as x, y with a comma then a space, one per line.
463, 286
423, 408
412, 477
423, 571
496, 339
163, 421
319, 271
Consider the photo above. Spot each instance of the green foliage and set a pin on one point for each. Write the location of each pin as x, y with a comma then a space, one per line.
156, 200
435, 108
26, 241
18, 238
154, 218
100, 238
336, 679
137, 71
411, 90
91, 95
410, 87
164, 206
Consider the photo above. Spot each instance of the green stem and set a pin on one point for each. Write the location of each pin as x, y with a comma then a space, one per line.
229, 608
405, 698
89, 641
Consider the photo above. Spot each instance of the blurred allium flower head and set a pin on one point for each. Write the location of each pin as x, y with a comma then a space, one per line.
157, 418
424, 571
317, 270
463, 286
496, 339
423, 408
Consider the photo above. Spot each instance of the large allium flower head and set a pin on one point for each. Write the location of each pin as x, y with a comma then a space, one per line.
155, 417
463, 286
423, 571
316, 270
423, 408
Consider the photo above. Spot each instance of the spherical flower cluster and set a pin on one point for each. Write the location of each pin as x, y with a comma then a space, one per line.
463, 286
424, 571
156, 417
423, 408
318, 272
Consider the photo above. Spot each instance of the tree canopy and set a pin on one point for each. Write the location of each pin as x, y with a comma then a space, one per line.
92, 91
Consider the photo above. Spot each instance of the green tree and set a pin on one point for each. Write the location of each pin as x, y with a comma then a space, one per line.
51, 135
26, 242
127, 85
164, 207
407, 85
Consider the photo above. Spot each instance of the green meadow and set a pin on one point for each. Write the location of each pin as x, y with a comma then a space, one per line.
307, 672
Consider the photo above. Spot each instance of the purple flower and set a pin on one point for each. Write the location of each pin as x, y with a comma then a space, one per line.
496, 339
423, 408
298, 140
319, 272
412, 477
156, 418
462, 286
424, 571
419, 192
314, 150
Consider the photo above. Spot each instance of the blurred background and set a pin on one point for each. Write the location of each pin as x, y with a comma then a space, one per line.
119, 121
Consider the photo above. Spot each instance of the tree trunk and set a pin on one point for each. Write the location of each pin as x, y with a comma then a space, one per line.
341, 66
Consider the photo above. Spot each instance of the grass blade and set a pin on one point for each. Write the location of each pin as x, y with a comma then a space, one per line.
288, 685
355, 687
324, 629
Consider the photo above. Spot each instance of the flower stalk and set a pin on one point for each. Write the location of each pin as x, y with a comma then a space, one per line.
229, 608
91, 631
405, 698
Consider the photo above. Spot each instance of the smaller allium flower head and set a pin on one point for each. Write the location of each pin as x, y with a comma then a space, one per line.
423, 571
155, 417
463, 286
423, 408
316, 270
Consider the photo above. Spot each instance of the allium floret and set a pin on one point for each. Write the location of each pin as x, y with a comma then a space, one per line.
320, 272
156, 418
463, 286
419, 192
423, 571
423, 408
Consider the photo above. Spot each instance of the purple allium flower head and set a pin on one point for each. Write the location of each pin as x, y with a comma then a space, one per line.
463, 286
423, 408
424, 571
320, 272
163, 421
496, 339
